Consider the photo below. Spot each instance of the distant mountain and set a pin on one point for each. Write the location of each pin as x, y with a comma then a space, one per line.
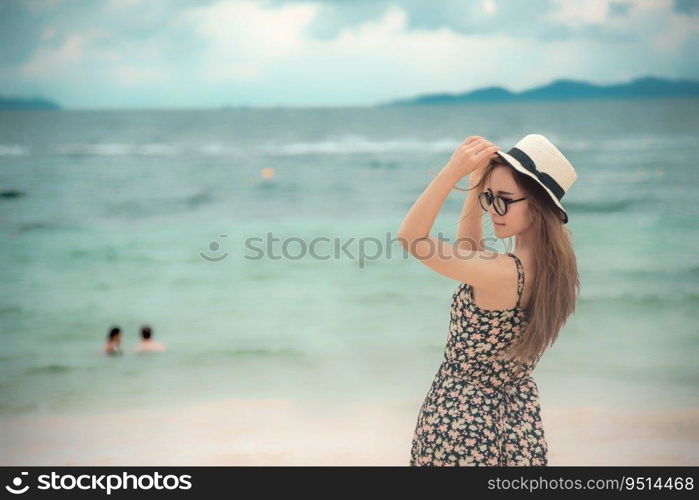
640, 88
27, 103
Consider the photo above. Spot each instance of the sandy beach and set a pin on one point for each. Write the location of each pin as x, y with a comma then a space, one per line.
285, 432
234, 180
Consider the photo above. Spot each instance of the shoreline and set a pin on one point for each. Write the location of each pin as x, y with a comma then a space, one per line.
233, 431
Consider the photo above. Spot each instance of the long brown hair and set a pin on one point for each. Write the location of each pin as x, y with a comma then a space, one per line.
556, 282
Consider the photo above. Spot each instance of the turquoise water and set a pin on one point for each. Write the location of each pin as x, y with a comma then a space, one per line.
119, 206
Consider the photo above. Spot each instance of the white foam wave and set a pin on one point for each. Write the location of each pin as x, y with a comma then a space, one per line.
358, 144
350, 144
118, 149
217, 149
13, 150
627, 143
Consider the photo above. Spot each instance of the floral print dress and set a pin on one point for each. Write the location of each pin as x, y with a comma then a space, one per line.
479, 410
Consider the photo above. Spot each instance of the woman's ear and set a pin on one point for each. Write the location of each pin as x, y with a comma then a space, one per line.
530, 215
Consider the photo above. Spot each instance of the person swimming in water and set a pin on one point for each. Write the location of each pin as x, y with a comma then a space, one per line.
113, 345
147, 343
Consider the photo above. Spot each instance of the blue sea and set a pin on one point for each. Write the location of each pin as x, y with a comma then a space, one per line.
224, 230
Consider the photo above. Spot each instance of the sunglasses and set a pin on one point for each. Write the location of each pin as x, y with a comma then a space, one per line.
499, 203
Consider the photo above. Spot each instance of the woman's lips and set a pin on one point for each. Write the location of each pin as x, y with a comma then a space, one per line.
498, 224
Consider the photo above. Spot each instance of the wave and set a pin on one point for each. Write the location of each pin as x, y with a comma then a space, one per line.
148, 149
117, 149
6, 311
13, 150
626, 143
348, 144
608, 206
674, 274
352, 144
252, 352
340, 145
261, 351
48, 369
12, 193
32, 226
109, 254
217, 149
148, 207
641, 297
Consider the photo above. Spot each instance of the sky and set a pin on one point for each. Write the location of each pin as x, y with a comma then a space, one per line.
208, 53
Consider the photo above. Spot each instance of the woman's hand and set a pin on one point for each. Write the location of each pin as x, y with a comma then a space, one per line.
471, 155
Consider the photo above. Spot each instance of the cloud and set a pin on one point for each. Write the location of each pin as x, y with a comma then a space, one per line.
580, 12
465, 17
48, 62
300, 52
243, 38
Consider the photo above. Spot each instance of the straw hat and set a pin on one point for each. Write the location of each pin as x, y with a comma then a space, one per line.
535, 156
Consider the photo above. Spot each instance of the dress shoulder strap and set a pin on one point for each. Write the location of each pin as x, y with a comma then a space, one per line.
520, 277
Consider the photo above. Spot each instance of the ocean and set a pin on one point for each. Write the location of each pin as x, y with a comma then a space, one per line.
224, 230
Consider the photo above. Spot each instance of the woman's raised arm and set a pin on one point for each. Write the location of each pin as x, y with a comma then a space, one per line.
414, 231
470, 233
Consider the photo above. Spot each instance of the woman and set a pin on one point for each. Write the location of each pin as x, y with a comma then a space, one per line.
113, 345
483, 405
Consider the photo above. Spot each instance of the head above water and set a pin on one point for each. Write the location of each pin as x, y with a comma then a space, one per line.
114, 333
146, 332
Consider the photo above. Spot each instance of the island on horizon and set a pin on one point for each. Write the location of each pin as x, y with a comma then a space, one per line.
640, 88
22, 103
648, 87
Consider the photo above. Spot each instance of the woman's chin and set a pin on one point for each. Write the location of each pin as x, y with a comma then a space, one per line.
500, 229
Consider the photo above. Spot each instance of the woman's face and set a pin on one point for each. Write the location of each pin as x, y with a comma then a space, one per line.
516, 219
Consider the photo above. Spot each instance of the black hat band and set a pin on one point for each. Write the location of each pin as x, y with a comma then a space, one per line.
545, 178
